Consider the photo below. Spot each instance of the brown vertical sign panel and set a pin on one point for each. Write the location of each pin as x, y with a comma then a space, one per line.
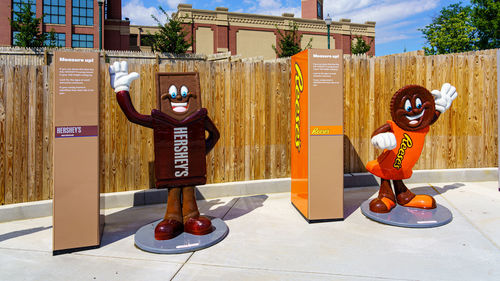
76, 216
317, 119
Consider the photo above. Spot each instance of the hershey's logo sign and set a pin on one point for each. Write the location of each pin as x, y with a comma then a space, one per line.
181, 152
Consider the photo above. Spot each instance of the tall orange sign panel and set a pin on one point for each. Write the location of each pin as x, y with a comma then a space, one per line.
317, 134
76, 214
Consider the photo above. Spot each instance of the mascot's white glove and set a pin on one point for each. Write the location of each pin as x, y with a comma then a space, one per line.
120, 78
384, 141
445, 97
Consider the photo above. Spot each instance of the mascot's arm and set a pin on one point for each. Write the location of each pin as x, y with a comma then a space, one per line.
383, 137
213, 135
120, 81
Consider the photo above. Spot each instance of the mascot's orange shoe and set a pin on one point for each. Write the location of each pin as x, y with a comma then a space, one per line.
382, 205
422, 201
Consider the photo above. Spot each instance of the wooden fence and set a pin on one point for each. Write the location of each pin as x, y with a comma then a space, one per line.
249, 102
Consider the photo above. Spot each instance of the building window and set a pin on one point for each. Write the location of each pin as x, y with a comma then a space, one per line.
106, 9
17, 6
14, 40
133, 40
54, 11
60, 39
320, 10
83, 12
82, 41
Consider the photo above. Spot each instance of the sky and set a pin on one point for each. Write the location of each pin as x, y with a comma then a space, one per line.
396, 29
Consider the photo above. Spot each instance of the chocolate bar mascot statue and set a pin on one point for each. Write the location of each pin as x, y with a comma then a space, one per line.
180, 146
413, 110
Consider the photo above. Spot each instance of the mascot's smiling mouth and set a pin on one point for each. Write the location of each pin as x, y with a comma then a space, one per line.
414, 119
179, 107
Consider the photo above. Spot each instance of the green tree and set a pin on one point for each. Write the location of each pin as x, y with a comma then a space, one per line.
486, 18
27, 28
289, 42
360, 47
171, 38
451, 32
51, 39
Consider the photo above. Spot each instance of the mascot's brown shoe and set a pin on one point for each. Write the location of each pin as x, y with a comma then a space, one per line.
198, 225
422, 201
193, 222
382, 205
168, 229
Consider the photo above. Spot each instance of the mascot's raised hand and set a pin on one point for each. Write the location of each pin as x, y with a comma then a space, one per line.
384, 141
445, 97
120, 79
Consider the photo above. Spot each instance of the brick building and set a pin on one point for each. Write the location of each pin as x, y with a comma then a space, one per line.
251, 35
75, 22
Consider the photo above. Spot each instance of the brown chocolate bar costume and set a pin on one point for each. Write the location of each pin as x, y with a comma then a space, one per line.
180, 149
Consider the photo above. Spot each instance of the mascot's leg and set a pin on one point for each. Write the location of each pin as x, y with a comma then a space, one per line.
406, 198
193, 222
171, 225
385, 201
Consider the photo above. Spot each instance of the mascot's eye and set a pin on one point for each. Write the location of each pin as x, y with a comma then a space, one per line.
184, 91
408, 106
418, 103
172, 91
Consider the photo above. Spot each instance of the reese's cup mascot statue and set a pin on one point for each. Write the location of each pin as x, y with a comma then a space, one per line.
180, 146
413, 110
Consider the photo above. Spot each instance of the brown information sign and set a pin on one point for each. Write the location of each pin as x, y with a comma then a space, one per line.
76, 151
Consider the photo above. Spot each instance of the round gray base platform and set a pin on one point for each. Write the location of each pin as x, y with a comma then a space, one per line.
185, 242
410, 217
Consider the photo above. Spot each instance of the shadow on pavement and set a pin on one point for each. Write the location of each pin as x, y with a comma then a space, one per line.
15, 234
124, 223
245, 205
355, 196
440, 190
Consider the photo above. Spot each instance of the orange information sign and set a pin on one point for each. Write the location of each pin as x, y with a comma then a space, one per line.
317, 170
76, 214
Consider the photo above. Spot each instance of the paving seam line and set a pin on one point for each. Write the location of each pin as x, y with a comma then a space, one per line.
25, 250
227, 212
182, 266
83, 254
187, 260
303, 272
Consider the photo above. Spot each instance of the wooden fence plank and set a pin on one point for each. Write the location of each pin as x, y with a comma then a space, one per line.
31, 136
39, 133
9, 134
3, 99
18, 138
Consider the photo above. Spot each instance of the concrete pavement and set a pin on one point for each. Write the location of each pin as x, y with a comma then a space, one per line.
269, 240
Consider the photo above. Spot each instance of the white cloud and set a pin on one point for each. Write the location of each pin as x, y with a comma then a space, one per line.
396, 20
384, 11
390, 37
269, 4
397, 31
141, 15
172, 4
274, 7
